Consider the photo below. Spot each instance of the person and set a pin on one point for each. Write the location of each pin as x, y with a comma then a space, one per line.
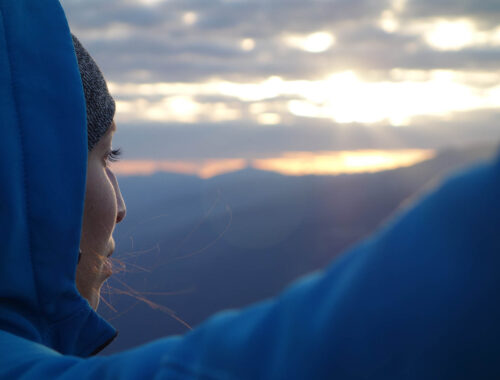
104, 205
417, 300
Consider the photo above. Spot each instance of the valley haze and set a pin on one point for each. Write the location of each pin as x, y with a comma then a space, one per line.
192, 246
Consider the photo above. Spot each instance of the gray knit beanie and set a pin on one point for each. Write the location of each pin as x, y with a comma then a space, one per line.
99, 103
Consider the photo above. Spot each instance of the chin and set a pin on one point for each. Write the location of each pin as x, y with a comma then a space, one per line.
95, 305
95, 299
95, 294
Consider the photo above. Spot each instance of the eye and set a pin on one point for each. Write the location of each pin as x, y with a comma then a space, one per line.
113, 155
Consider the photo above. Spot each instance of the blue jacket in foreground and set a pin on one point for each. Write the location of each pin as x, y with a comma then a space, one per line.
418, 300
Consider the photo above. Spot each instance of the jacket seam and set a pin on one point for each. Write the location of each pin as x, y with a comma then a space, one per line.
23, 164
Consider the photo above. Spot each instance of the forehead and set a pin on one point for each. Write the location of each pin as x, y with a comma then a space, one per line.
111, 130
107, 137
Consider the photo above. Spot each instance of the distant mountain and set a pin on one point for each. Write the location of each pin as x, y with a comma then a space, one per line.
241, 237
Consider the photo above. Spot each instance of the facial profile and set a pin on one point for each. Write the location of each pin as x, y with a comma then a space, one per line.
104, 207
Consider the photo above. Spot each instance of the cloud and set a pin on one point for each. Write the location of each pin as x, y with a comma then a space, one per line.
195, 40
485, 12
90, 14
245, 140
160, 41
345, 97
247, 43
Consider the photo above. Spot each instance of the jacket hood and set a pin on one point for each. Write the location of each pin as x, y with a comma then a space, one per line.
43, 174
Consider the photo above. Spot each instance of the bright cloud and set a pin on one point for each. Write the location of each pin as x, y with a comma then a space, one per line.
388, 21
247, 44
313, 43
342, 97
181, 109
190, 18
451, 34
268, 118
346, 99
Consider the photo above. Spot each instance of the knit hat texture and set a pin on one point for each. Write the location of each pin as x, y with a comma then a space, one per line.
99, 103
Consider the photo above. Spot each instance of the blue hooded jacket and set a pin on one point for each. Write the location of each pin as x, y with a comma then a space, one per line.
418, 300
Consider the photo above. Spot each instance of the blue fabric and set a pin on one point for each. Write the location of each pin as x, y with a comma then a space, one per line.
42, 176
418, 300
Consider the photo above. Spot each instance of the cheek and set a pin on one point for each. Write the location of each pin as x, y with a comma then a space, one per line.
100, 208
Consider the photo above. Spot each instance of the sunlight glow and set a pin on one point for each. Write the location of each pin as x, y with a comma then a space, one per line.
346, 99
343, 162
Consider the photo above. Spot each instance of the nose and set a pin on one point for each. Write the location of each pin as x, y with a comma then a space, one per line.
121, 208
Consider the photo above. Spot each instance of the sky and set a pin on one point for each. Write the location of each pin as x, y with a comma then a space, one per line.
299, 87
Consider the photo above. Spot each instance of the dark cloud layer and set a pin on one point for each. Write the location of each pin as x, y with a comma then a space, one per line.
170, 50
243, 140
156, 40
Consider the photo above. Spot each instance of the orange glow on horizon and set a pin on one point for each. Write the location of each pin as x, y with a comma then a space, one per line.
203, 169
343, 162
290, 163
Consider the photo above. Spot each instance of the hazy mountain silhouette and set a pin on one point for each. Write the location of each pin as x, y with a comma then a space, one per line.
241, 237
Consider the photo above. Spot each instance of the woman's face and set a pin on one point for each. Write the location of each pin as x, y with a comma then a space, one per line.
103, 208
